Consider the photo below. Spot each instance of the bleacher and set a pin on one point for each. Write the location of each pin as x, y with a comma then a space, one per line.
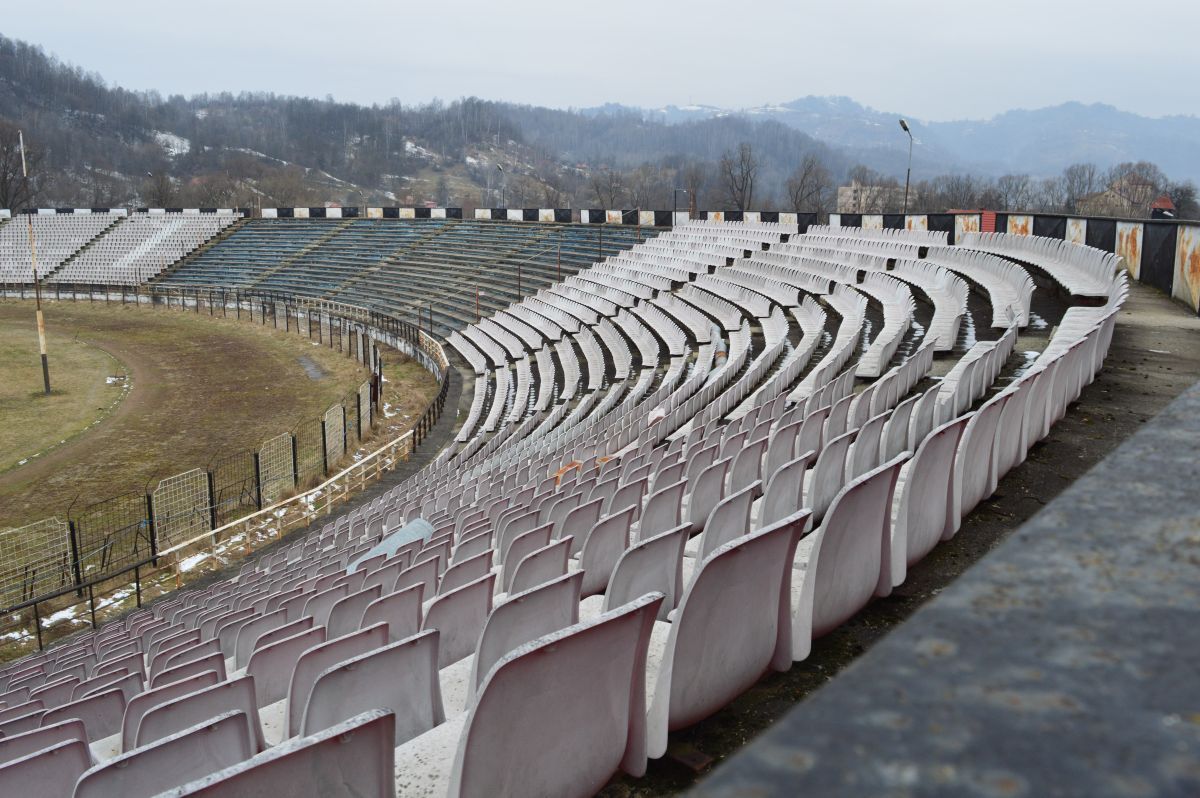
680, 466
57, 236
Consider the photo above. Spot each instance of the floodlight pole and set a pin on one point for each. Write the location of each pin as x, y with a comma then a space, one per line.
908, 173
37, 286
675, 200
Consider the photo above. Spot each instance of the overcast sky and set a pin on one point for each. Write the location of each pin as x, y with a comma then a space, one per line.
929, 59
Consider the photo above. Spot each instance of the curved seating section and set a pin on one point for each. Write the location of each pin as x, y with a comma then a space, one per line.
1080, 270
620, 471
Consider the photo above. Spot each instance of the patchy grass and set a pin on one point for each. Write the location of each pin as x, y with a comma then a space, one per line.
200, 387
86, 382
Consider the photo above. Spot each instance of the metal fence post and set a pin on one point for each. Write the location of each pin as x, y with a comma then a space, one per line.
153, 528
212, 502
258, 491
295, 462
74, 536
324, 451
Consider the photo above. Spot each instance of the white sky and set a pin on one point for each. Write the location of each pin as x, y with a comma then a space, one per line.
930, 59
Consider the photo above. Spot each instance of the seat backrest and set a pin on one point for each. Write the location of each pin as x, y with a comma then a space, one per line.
520, 546
425, 574
812, 432
922, 420
55, 693
207, 747
51, 771
577, 523
781, 449
524, 617
540, 566
319, 604
460, 615
707, 492
401, 611
171, 717
602, 548
829, 473
924, 501
785, 492
400, 676
729, 520
34, 740
143, 702
701, 460
626, 495
325, 655
479, 542
101, 713
974, 464
847, 561
272, 665
346, 615
835, 424
654, 565
573, 745
747, 465
663, 510
467, 570
864, 455
210, 662
895, 432
128, 683
351, 758
733, 624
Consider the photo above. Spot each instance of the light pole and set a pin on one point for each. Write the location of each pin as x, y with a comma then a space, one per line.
37, 286
503, 185
907, 174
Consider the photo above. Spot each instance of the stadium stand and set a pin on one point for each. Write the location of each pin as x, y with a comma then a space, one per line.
717, 446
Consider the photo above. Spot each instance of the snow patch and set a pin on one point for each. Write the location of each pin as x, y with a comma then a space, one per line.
174, 145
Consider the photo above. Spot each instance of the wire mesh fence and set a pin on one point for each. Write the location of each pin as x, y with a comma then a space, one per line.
50, 563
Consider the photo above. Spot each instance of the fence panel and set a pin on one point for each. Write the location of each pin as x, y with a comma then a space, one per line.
364, 409
276, 476
310, 450
112, 534
34, 559
235, 492
181, 509
335, 434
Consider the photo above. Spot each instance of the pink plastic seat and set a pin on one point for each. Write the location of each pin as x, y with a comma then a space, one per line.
176, 715
50, 771
401, 611
460, 615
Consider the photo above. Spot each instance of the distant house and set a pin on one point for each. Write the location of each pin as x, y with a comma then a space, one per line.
862, 198
1128, 196
1162, 208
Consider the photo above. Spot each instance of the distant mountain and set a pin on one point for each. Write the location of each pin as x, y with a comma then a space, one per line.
1040, 142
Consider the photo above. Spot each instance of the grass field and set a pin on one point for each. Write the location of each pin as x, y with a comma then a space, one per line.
199, 387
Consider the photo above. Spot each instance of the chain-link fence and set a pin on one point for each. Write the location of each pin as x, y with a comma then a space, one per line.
113, 538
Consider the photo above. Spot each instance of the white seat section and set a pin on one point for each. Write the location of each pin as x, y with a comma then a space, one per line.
733, 625
602, 549
194, 752
578, 698
846, 559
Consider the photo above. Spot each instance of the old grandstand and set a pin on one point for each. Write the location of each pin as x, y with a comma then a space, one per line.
686, 452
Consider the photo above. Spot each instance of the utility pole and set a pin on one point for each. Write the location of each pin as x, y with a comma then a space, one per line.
907, 174
37, 286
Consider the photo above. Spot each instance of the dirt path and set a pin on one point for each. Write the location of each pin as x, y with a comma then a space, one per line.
1155, 356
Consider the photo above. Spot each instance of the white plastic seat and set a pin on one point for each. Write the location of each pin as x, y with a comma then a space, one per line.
663, 510
845, 560
401, 677
351, 758
210, 662
101, 713
784, 494
467, 570
541, 565
730, 519
706, 492
975, 463
923, 508
171, 717
578, 698
460, 615
602, 548
194, 752
140, 704
30, 742
345, 616
517, 550
313, 662
654, 565
50, 771
828, 474
747, 466
401, 611
732, 626
271, 666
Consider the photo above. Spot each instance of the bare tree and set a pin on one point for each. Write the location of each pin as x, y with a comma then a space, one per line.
608, 186
810, 188
739, 172
1078, 181
158, 190
1015, 192
1051, 195
15, 191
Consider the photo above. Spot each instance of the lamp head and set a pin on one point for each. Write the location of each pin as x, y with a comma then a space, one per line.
904, 126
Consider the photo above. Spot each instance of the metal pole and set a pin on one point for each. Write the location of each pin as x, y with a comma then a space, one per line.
37, 286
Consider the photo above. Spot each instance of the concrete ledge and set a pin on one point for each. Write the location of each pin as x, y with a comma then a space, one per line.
1066, 662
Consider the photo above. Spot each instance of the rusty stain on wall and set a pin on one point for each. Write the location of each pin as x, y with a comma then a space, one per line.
917, 222
872, 221
1186, 286
545, 214
1077, 231
965, 223
1020, 225
1129, 246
